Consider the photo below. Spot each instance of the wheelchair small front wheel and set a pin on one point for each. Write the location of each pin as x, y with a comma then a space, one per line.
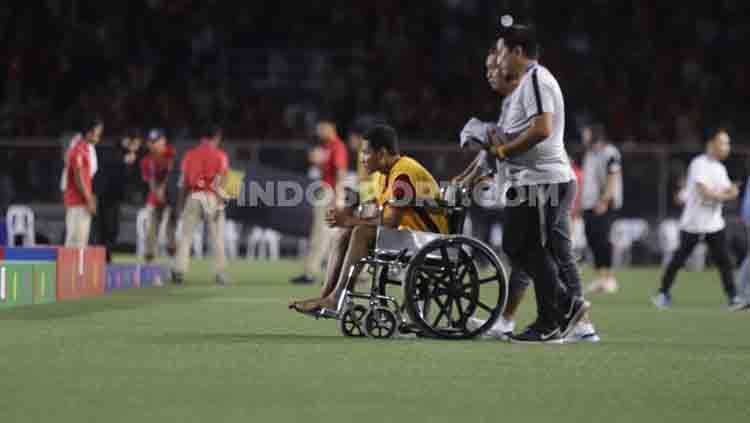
380, 323
352, 321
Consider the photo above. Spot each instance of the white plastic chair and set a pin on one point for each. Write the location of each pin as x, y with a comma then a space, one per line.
623, 234
232, 231
19, 221
263, 243
303, 246
141, 231
669, 239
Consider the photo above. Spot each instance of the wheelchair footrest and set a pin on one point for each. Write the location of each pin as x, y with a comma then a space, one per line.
327, 313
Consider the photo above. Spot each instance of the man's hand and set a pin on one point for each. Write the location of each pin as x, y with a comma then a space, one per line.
340, 217
161, 193
495, 141
601, 207
91, 204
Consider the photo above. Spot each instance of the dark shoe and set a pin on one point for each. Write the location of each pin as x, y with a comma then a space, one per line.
302, 280
662, 301
536, 334
573, 314
176, 278
221, 280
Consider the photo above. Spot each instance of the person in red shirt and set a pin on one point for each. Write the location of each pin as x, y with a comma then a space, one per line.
331, 159
203, 170
79, 199
155, 169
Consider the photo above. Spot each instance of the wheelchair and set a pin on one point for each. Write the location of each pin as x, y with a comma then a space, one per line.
423, 283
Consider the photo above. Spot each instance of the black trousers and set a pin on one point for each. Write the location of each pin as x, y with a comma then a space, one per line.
717, 245
107, 226
560, 242
537, 241
598, 228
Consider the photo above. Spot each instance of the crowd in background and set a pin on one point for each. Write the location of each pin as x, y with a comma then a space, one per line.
650, 71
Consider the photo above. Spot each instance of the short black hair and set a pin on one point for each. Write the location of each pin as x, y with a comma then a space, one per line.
598, 133
383, 136
523, 36
90, 123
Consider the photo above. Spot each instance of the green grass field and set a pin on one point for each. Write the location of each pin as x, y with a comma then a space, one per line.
205, 354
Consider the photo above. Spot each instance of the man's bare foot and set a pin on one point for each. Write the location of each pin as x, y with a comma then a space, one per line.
305, 306
328, 303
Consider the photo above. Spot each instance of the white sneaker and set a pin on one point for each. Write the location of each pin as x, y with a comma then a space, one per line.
737, 304
501, 330
583, 332
610, 286
662, 301
602, 286
593, 287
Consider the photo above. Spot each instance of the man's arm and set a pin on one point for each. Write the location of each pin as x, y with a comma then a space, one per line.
610, 186
609, 193
88, 196
540, 129
471, 171
728, 194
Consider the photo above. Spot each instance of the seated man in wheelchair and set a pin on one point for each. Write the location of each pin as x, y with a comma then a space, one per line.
400, 182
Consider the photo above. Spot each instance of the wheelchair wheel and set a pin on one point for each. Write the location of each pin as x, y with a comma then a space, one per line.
352, 321
451, 281
381, 323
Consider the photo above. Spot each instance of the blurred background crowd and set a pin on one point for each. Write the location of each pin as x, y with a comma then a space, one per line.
651, 71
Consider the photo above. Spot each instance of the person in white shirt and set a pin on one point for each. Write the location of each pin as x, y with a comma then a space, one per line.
600, 200
707, 188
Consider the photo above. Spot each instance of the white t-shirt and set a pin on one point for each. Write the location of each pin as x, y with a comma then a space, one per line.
547, 162
701, 215
598, 164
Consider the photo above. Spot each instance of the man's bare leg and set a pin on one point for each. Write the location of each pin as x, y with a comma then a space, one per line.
339, 246
359, 248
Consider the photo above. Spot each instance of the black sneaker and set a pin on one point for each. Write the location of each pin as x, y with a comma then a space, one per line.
536, 334
302, 280
575, 311
176, 278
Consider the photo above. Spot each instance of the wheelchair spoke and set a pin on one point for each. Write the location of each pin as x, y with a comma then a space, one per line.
462, 316
484, 307
464, 272
493, 278
445, 310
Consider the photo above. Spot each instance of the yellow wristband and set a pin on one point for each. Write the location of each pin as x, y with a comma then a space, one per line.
500, 151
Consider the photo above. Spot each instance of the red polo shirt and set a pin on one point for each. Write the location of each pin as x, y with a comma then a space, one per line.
201, 165
78, 158
156, 167
337, 158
